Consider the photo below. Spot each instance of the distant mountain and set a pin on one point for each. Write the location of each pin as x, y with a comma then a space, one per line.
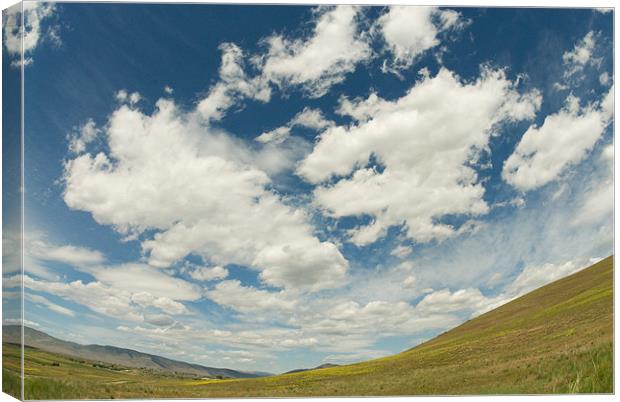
322, 366
114, 355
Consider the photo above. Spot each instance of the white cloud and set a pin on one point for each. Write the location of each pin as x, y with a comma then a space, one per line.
604, 78
608, 154
94, 295
37, 299
86, 134
426, 146
168, 89
564, 139
598, 204
207, 195
411, 30
208, 273
409, 282
246, 299
165, 304
322, 60
38, 252
350, 325
160, 320
533, 277
121, 95
233, 85
597, 200
444, 301
17, 63
18, 321
72, 255
311, 118
141, 278
123, 303
276, 135
401, 251
134, 98
32, 34
581, 55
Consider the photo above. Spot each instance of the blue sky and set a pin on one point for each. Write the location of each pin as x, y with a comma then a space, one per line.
275, 187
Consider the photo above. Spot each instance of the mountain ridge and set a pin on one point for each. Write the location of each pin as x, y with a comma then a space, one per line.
116, 355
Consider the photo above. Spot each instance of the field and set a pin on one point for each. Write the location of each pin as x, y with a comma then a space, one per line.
557, 339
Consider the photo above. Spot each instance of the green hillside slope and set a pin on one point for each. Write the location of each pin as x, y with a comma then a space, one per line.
557, 339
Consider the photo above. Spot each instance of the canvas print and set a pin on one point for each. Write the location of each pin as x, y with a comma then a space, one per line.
207, 201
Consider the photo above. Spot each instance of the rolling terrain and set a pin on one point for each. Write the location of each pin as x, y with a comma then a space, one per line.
113, 355
556, 339
322, 366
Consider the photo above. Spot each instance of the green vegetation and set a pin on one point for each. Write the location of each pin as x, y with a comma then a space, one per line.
557, 339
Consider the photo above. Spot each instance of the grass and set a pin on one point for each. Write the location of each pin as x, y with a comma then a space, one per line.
557, 339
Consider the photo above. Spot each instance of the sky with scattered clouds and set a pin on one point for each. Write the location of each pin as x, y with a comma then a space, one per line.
275, 187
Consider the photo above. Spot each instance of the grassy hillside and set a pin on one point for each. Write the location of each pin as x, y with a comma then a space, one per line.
557, 339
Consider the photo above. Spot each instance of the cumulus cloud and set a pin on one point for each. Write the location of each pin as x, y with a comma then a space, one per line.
310, 118
581, 55
322, 60
108, 300
206, 195
34, 13
141, 278
86, 134
409, 31
247, 299
564, 139
205, 274
233, 86
94, 295
130, 283
423, 145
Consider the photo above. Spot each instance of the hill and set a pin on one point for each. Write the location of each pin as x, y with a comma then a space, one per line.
322, 366
113, 355
556, 339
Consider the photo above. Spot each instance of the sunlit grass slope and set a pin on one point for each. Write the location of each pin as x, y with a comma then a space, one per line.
557, 339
